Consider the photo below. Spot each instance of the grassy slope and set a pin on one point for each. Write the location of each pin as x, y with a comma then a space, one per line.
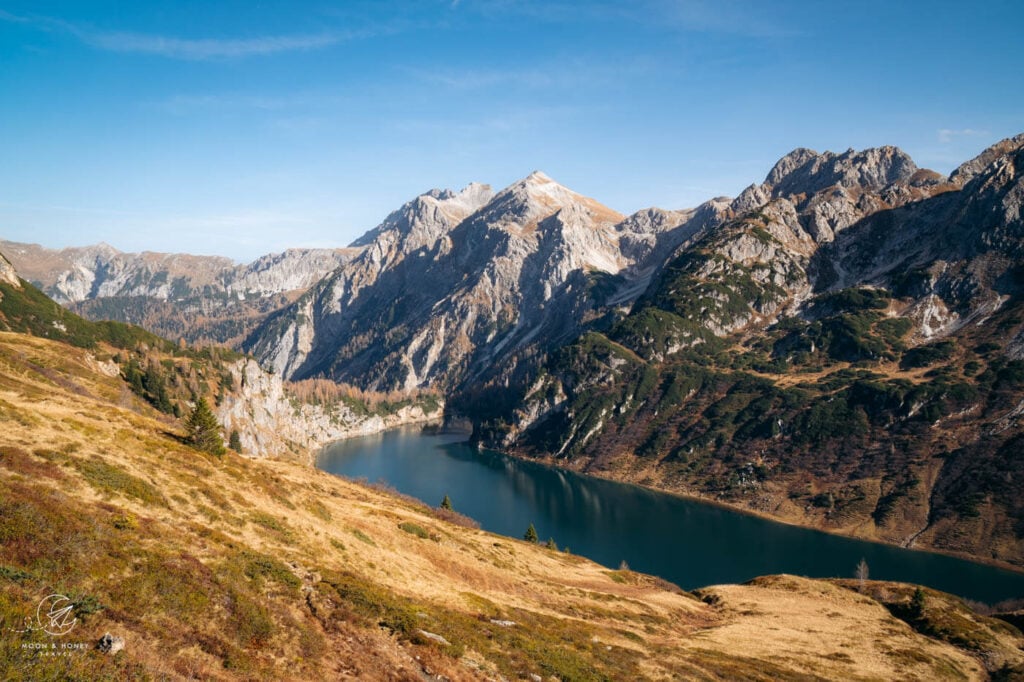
236, 569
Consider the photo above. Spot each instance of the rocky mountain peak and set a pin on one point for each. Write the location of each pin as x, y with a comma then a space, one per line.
536, 197
788, 164
806, 171
969, 169
423, 220
467, 201
104, 249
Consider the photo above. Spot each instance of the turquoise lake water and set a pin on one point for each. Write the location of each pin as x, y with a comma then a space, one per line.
686, 542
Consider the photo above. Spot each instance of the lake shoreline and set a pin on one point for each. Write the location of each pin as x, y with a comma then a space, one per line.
657, 531
723, 504
446, 427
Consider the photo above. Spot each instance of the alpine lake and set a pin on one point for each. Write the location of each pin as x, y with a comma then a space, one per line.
687, 542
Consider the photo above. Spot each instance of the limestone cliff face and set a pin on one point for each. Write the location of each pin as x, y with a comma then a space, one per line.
455, 284
272, 423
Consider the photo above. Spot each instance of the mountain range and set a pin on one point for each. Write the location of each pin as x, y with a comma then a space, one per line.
197, 298
840, 345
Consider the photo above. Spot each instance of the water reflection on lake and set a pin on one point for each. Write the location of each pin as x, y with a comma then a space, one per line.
684, 541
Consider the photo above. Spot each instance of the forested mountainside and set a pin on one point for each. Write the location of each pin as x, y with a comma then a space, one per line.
206, 299
845, 351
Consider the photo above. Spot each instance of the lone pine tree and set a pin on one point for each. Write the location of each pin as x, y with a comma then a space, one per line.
203, 431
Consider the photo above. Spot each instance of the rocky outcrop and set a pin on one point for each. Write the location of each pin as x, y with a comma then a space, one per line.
8, 274
109, 644
273, 423
969, 169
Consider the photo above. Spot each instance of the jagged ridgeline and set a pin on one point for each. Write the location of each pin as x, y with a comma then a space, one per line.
844, 350
455, 287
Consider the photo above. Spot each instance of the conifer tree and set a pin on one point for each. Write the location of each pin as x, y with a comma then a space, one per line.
446, 503
203, 430
917, 603
531, 534
235, 441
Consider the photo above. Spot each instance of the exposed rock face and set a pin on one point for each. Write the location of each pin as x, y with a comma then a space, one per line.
273, 424
199, 298
8, 274
968, 170
291, 270
454, 284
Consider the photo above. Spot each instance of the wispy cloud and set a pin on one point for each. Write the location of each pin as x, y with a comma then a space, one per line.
946, 135
188, 104
574, 73
508, 121
208, 48
13, 18
195, 49
736, 17
546, 10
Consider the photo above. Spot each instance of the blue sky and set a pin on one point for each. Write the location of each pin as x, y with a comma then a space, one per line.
240, 128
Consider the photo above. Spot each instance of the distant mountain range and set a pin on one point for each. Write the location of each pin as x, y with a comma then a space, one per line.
198, 298
841, 345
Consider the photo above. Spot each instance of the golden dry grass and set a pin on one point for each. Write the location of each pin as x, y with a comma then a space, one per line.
825, 634
241, 569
